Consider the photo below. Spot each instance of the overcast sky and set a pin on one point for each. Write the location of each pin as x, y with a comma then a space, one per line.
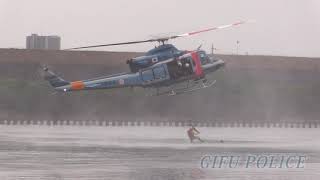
283, 27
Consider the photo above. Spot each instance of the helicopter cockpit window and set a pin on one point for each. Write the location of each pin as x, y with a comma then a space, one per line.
204, 58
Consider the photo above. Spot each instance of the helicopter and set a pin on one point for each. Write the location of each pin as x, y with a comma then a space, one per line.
164, 66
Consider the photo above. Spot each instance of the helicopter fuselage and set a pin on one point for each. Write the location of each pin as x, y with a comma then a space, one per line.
170, 68
164, 65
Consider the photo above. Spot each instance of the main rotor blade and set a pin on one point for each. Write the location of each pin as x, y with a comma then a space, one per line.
163, 39
209, 29
113, 44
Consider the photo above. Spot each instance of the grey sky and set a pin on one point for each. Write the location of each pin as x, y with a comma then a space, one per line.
283, 27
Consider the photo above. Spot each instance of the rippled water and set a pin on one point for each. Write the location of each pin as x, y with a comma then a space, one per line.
42, 152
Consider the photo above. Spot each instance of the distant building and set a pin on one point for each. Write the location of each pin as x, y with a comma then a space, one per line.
43, 42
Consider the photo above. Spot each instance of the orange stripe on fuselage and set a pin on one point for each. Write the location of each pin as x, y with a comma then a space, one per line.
77, 85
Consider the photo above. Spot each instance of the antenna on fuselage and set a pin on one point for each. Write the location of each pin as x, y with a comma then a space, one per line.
212, 49
199, 47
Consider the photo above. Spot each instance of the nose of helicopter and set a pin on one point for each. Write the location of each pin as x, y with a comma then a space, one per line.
220, 63
214, 66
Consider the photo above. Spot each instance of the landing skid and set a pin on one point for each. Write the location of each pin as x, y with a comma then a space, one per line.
188, 90
198, 85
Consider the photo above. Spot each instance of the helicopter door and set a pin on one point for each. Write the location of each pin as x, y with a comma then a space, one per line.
159, 72
147, 75
155, 73
198, 67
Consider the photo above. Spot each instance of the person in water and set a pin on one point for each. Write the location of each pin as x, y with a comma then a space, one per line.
192, 132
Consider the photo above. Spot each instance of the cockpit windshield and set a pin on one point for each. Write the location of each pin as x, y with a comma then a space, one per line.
204, 58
